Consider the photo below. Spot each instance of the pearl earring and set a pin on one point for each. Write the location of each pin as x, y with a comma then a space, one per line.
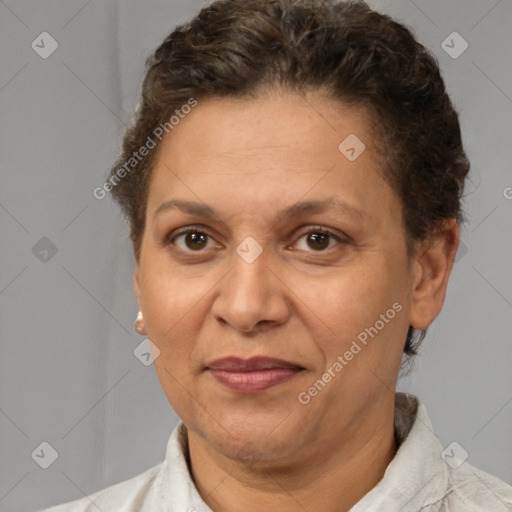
139, 324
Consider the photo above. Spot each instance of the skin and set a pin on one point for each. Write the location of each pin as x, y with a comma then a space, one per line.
248, 159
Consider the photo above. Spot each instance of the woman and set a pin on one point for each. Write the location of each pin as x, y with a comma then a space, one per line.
292, 179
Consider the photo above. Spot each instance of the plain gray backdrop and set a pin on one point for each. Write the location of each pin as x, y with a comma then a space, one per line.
68, 373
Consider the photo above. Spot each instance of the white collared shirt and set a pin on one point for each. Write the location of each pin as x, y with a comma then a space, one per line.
419, 478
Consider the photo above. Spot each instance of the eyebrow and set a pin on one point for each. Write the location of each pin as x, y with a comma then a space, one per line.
295, 210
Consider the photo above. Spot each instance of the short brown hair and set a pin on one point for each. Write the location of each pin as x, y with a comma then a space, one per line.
233, 48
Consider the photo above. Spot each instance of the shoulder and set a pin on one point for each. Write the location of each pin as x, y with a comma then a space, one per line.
137, 493
471, 489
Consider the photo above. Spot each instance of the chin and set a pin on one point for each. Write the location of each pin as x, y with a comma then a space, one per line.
255, 440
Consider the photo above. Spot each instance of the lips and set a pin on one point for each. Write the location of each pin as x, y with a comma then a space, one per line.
237, 364
252, 375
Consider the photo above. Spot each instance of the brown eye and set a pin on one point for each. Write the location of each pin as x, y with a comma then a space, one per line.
319, 240
193, 240
196, 240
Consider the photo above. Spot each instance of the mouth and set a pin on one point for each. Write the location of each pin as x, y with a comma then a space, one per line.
252, 375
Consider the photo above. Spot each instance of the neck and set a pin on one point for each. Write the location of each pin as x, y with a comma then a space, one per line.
332, 481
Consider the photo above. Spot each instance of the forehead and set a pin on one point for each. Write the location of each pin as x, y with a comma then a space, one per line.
258, 151
273, 122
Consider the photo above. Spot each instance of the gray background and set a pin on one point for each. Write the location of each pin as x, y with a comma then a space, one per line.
68, 374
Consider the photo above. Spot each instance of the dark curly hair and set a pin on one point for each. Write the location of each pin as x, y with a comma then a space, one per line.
236, 48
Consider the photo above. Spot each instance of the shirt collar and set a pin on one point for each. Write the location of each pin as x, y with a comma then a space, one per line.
174, 483
416, 477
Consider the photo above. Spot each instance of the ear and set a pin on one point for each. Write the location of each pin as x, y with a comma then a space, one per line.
433, 263
136, 285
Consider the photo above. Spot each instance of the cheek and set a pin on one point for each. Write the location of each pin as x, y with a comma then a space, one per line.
350, 304
169, 305
173, 322
165, 292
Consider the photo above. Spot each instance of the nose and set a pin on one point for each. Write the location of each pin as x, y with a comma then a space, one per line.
252, 296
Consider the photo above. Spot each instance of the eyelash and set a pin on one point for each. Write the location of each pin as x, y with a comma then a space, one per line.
197, 229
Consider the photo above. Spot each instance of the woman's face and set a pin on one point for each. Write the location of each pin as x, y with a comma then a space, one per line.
257, 282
